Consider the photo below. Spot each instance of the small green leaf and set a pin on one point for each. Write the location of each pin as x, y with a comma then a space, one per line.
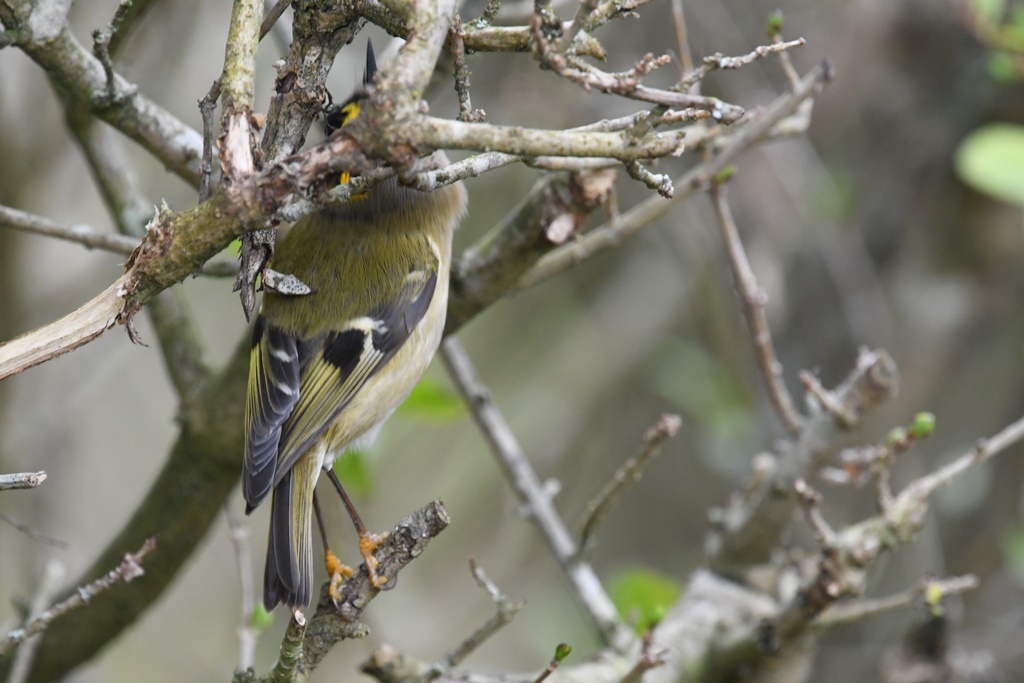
235, 248
433, 401
562, 651
355, 472
775, 23
644, 595
261, 619
922, 426
725, 174
991, 160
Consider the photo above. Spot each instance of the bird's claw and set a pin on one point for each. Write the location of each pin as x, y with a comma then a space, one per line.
368, 544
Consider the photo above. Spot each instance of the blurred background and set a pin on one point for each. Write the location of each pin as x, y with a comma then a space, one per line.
862, 234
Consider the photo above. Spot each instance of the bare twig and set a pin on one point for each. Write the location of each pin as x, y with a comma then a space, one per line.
457, 42
82, 234
850, 612
628, 474
32, 533
562, 651
129, 569
22, 480
683, 43
614, 232
92, 238
753, 301
49, 584
273, 15
775, 33
246, 634
506, 610
207, 108
719, 61
627, 84
532, 494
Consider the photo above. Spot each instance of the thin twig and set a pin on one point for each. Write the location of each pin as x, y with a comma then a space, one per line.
457, 45
84, 235
32, 533
22, 480
562, 651
753, 301
628, 474
49, 584
506, 610
93, 239
273, 14
531, 492
207, 108
129, 569
246, 633
851, 612
719, 61
775, 33
683, 44
615, 231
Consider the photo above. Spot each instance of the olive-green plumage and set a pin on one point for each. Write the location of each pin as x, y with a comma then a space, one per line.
328, 368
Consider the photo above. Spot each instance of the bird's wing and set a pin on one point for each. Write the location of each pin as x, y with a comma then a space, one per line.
297, 390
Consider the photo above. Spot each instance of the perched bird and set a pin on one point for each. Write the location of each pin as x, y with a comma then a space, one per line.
328, 368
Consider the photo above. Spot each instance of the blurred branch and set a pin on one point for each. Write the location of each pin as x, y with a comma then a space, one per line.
246, 633
41, 31
21, 480
92, 238
628, 474
81, 234
506, 611
49, 584
850, 612
179, 507
32, 533
129, 569
528, 488
753, 301
747, 529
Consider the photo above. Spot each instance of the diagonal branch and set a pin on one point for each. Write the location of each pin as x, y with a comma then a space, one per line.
528, 487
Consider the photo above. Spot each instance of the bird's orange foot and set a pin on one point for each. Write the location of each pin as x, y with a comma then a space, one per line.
368, 544
338, 573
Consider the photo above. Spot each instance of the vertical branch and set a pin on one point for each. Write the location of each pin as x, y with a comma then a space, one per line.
754, 300
530, 490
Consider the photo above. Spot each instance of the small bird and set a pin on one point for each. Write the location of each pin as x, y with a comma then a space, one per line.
328, 368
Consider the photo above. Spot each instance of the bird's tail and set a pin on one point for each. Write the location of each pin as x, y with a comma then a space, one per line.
288, 575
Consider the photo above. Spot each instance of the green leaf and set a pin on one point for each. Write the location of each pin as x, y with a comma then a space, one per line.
261, 619
355, 472
562, 651
991, 160
922, 426
644, 595
433, 401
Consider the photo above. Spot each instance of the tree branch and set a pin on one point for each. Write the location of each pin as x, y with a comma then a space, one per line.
43, 34
528, 488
